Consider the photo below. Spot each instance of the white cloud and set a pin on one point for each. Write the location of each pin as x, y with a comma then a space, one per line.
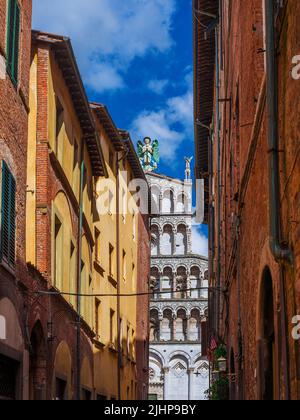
108, 32
171, 125
158, 86
199, 242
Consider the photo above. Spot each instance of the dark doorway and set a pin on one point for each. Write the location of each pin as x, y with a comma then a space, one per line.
9, 371
267, 345
61, 389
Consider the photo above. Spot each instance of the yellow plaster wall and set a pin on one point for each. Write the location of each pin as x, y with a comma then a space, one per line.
106, 358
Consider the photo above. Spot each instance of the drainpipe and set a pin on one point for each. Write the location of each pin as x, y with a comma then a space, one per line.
118, 256
79, 247
282, 254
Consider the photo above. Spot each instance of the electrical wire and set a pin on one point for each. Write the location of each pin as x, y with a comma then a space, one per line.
57, 293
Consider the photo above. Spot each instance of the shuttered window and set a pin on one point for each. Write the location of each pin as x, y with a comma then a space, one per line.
8, 216
13, 36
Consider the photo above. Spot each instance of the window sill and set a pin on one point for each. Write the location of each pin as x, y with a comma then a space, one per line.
112, 348
98, 344
112, 281
99, 268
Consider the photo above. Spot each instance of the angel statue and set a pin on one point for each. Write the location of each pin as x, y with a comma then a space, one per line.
148, 154
188, 167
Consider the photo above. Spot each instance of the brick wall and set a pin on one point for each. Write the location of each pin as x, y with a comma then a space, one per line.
244, 191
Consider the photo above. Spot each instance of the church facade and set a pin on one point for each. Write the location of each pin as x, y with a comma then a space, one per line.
178, 366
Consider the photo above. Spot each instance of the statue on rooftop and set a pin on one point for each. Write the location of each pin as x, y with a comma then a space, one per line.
148, 154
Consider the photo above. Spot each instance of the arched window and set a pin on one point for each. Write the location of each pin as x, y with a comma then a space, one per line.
195, 326
181, 283
167, 241
154, 241
155, 282
181, 240
168, 202
181, 326
167, 283
166, 326
181, 204
154, 325
195, 282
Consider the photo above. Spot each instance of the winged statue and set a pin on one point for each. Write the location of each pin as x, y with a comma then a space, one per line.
148, 153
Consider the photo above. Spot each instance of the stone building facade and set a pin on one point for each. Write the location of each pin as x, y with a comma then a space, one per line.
247, 150
178, 311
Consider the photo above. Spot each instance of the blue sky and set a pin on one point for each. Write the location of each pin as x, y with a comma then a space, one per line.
136, 57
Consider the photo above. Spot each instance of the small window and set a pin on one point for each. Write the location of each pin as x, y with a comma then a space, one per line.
112, 326
111, 258
133, 277
58, 251
97, 317
97, 245
13, 39
124, 265
86, 395
8, 217
59, 130
101, 398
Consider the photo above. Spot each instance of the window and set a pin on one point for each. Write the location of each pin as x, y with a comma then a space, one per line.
133, 276
112, 327
97, 317
111, 258
13, 37
128, 342
97, 245
72, 286
8, 216
61, 389
134, 226
58, 251
124, 265
101, 398
59, 130
75, 167
86, 395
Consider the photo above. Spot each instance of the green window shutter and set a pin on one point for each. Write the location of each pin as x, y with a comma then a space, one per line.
8, 216
13, 36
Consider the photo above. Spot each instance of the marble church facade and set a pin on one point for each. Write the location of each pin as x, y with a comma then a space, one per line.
178, 364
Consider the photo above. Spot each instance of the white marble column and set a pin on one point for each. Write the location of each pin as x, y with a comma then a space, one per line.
174, 329
174, 285
188, 318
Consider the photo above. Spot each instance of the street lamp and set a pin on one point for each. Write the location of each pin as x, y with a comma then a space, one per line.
222, 364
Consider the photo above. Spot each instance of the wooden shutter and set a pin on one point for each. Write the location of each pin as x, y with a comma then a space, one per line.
8, 216
13, 36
